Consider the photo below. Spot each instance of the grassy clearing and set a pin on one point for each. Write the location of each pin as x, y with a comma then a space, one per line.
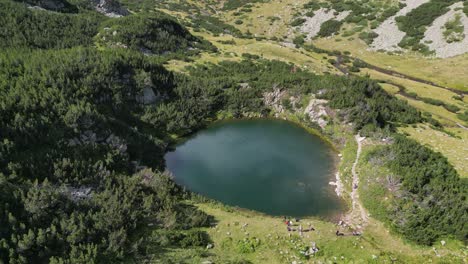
455, 149
268, 19
449, 72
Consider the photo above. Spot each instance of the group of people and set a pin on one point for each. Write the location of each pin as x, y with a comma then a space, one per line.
290, 227
309, 251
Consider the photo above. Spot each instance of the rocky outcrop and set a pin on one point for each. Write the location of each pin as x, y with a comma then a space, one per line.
273, 99
317, 111
110, 8
78, 194
90, 137
147, 96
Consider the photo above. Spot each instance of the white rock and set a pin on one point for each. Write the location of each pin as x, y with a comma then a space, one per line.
317, 112
312, 25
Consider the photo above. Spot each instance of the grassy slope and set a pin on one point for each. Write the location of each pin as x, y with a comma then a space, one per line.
449, 72
276, 246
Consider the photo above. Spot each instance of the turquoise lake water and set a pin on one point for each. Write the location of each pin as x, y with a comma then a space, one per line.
270, 166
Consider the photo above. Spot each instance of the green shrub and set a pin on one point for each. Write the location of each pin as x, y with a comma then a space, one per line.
250, 56
248, 245
329, 28
234, 4
463, 116
432, 101
297, 22
359, 63
368, 37
286, 103
299, 40
195, 239
312, 5
214, 25
452, 108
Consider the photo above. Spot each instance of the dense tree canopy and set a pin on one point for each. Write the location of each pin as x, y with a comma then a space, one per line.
150, 33
432, 200
25, 27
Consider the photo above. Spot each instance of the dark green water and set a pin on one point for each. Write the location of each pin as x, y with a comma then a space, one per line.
270, 166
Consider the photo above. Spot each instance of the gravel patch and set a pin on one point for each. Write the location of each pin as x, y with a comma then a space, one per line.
389, 33
312, 25
434, 37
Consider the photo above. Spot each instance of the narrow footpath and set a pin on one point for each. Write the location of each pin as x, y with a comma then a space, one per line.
357, 217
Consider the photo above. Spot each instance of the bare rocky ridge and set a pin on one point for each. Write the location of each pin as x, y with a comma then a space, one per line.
311, 26
110, 8
434, 37
389, 33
